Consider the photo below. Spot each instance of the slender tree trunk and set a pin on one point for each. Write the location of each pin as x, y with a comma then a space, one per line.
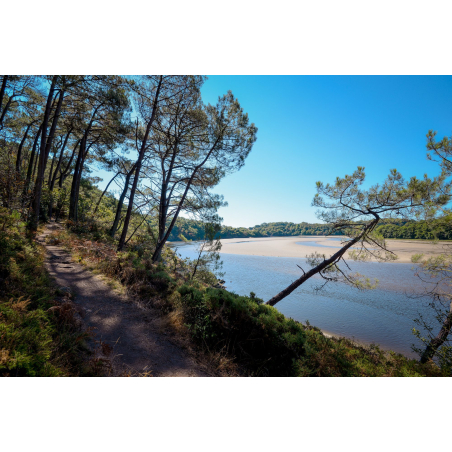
138, 169
164, 198
121, 221
136, 229
103, 193
5, 110
83, 152
44, 155
114, 228
161, 243
33, 176
2, 94
66, 171
51, 168
42, 159
334, 258
439, 340
201, 249
32, 159
78, 179
19, 151
50, 191
77, 186
2, 89
73, 200
52, 183
163, 212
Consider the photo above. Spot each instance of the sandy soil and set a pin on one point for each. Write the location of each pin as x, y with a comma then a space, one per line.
139, 340
288, 247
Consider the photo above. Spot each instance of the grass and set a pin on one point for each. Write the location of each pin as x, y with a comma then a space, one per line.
40, 331
240, 334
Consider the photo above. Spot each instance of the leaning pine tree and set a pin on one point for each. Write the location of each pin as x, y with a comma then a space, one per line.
355, 212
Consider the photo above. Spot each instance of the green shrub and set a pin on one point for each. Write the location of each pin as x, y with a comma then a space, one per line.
258, 335
266, 343
39, 336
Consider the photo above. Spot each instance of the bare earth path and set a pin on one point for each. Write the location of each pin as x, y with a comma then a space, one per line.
135, 333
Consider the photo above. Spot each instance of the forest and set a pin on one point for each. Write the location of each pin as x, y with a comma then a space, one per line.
163, 146
390, 229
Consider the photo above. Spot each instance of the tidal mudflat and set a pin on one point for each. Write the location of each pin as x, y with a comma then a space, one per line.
384, 315
304, 245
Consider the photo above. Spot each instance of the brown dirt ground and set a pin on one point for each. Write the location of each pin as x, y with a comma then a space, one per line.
140, 343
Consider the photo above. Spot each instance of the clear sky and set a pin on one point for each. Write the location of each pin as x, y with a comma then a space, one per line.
318, 127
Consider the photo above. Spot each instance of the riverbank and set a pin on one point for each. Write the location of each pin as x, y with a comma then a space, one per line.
240, 334
384, 315
302, 246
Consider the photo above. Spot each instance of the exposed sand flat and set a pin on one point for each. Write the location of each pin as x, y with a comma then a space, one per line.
288, 247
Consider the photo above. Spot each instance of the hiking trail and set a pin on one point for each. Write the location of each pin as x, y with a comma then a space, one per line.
136, 334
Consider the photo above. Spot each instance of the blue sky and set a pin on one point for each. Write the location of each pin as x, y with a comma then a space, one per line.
318, 127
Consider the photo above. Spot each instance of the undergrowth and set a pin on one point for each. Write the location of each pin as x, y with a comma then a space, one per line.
40, 333
239, 332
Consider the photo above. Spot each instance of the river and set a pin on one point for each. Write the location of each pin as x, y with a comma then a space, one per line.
384, 315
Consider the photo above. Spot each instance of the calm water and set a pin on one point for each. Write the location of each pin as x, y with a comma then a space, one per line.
383, 315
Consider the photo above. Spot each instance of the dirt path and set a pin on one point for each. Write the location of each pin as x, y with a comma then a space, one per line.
135, 333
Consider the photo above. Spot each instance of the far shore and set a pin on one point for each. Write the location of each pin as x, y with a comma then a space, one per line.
288, 247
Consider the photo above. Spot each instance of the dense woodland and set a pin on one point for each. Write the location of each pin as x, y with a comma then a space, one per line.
163, 146
390, 229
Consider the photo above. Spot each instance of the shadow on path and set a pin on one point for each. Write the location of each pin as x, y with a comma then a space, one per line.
135, 333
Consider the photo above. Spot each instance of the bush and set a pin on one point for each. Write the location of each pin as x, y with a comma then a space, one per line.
266, 343
258, 335
39, 336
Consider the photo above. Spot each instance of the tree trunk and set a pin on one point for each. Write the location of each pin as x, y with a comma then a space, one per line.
49, 180
32, 159
42, 159
52, 183
103, 193
2, 94
44, 155
33, 176
48, 183
73, 200
2, 90
439, 340
19, 151
66, 171
161, 243
136, 229
334, 258
138, 168
75, 188
114, 228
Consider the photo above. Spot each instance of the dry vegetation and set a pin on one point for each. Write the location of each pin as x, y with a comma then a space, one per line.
40, 328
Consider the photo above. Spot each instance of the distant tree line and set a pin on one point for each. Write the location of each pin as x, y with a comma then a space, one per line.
390, 229
437, 229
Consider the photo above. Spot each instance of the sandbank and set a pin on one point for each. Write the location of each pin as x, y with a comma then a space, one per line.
291, 247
